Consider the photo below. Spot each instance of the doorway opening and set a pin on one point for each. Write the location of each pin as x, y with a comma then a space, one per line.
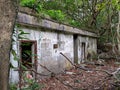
75, 39
28, 61
26, 54
83, 51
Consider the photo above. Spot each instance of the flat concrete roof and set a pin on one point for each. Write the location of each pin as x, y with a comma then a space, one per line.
30, 20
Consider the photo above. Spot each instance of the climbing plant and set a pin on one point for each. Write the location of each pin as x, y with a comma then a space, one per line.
29, 83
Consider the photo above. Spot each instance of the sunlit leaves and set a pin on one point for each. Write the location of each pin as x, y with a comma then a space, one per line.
33, 4
116, 3
27, 2
56, 14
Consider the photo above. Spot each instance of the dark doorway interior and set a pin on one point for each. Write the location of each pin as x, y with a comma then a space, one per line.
83, 51
26, 54
75, 48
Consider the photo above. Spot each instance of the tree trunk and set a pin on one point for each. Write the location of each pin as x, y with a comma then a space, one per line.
118, 33
8, 14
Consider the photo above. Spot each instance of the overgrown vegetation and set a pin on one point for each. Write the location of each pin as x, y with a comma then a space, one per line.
13, 86
45, 8
29, 84
100, 16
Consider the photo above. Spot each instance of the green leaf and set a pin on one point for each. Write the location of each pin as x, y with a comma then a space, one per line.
23, 67
22, 32
13, 52
11, 65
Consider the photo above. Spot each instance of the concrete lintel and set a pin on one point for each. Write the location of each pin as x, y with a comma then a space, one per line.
34, 21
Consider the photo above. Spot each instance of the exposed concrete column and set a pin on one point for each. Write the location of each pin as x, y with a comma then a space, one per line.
76, 48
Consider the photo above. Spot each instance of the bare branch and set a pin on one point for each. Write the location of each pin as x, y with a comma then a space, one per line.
76, 66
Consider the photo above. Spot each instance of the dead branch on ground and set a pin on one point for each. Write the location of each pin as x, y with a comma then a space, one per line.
53, 75
44, 67
105, 71
76, 66
113, 74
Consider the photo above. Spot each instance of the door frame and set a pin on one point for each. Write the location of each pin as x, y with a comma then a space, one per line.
34, 42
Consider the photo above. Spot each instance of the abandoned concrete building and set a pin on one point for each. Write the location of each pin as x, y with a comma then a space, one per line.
45, 39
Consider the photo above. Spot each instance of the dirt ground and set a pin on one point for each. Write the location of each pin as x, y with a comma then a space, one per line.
78, 79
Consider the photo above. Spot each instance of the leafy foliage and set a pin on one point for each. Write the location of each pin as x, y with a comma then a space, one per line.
56, 15
31, 4
13, 86
32, 85
100, 16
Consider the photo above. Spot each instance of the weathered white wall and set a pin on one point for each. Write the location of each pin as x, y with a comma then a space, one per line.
14, 75
47, 54
90, 44
51, 42
50, 56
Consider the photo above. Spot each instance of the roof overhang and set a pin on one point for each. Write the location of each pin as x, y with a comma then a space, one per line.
33, 21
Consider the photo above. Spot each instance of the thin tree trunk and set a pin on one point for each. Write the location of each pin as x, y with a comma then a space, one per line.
7, 19
118, 33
